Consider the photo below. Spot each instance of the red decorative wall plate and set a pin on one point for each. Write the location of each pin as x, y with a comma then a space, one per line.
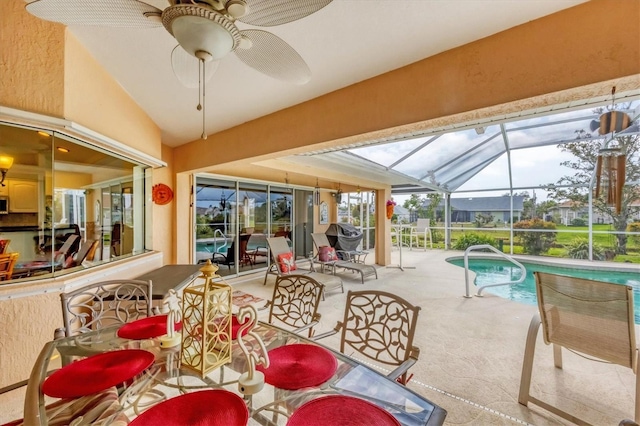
161, 194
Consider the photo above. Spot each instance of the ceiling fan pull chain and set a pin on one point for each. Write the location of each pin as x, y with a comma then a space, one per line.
204, 133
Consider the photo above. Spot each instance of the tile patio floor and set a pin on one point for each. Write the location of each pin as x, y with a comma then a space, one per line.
471, 350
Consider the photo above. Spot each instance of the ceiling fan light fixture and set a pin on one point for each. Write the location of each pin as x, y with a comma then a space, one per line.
200, 29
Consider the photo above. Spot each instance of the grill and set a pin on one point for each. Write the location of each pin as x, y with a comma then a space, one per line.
344, 236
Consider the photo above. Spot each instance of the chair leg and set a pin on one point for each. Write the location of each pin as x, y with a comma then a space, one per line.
637, 412
527, 363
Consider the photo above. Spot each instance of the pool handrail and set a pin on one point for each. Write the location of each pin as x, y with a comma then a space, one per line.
469, 249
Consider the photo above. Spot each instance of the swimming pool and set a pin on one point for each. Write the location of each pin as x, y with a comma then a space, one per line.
489, 271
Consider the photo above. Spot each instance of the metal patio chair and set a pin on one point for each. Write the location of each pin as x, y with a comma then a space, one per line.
380, 326
295, 302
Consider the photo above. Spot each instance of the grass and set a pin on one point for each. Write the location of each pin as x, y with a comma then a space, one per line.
603, 236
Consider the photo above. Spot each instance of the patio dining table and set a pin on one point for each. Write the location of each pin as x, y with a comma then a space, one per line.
165, 380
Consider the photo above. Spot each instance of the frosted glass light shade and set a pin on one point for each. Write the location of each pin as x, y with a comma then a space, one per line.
195, 33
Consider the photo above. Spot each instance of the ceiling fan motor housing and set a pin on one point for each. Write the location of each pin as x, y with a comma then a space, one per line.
199, 29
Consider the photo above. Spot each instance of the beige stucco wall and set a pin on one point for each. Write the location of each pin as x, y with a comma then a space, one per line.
31, 61
43, 69
163, 215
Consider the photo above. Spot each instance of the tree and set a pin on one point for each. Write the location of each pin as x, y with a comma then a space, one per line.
586, 151
425, 207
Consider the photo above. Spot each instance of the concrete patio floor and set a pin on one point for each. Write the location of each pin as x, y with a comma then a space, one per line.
472, 349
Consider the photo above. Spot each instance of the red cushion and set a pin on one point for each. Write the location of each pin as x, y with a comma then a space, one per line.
97, 373
286, 262
341, 410
203, 408
146, 328
299, 366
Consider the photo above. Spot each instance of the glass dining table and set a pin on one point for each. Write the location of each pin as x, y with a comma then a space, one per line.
165, 380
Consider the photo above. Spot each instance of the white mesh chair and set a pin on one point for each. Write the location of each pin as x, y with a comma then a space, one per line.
421, 229
592, 318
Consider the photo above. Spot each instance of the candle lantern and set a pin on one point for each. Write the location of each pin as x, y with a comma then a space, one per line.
206, 322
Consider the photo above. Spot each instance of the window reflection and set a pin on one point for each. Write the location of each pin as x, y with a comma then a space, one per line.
71, 205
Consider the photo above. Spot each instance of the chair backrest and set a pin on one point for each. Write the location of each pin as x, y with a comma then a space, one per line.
82, 253
320, 239
65, 250
277, 246
3, 246
105, 303
591, 317
422, 225
7, 262
390, 318
295, 300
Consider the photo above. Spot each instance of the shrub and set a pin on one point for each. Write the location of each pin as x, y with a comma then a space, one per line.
579, 249
634, 227
535, 242
578, 221
472, 239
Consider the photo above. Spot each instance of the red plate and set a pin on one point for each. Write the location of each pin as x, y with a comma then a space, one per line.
146, 328
204, 408
338, 410
299, 366
97, 373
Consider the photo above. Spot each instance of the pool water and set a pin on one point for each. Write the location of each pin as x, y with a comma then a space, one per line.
489, 271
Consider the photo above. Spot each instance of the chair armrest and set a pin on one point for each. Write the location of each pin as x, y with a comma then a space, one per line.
404, 367
328, 333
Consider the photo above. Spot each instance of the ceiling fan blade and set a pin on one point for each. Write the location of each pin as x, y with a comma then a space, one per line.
186, 67
272, 56
267, 13
109, 13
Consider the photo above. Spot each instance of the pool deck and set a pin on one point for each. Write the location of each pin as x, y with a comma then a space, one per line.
472, 348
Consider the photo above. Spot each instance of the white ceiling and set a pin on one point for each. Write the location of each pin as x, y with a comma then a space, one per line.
345, 42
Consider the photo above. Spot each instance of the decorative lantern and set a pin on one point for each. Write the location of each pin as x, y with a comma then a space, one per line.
206, 322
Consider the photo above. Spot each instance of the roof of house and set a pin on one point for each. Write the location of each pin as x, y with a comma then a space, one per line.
487, 204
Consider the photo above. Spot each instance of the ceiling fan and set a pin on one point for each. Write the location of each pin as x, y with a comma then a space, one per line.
205, 30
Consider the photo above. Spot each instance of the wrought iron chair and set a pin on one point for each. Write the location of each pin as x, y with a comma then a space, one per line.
380, 326
283, 263
592, 318
105, 303
295, 302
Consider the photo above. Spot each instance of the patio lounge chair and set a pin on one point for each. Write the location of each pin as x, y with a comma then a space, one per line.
321, 240
283, 263
593, 318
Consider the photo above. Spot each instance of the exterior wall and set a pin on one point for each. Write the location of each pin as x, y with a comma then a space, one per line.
95, 100
163, 232
45, 70
31, 61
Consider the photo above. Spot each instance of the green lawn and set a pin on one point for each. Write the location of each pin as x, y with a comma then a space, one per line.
602, 236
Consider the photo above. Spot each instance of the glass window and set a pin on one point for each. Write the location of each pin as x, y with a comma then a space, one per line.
72, 205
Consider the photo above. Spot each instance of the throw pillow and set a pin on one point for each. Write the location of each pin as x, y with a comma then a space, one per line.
286, 262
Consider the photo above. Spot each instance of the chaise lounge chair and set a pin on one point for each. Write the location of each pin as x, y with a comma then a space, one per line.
283, 263
321, 240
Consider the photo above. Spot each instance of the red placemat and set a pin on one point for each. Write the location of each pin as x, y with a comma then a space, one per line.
146, 328
97, 373
341, 410
204, 408
299, 366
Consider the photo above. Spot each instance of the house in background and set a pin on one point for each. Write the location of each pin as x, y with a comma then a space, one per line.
567, 211
467, 209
